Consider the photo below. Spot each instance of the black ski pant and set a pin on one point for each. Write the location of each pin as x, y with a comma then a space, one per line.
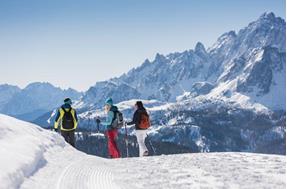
69, 137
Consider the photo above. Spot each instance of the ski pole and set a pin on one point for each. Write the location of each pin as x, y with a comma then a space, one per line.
98, 127
53, 129
89, 133
152, 147
126, 140
98, 130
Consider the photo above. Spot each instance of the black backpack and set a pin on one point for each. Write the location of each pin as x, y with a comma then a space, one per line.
68, 119
118, 120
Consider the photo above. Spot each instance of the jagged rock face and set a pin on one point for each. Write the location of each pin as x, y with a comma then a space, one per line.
261, 74
201, 88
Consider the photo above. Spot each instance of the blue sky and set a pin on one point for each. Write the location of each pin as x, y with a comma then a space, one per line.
77, 43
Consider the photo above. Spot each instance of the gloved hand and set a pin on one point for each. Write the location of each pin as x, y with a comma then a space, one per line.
98, 121
56, 130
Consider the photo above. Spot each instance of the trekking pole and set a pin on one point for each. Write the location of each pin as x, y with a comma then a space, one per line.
98, 126
151, 145
91, 126
126, 140
98, 134
53, 129
89, 135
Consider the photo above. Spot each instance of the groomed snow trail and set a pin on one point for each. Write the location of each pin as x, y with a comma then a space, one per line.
71, 169
86, 173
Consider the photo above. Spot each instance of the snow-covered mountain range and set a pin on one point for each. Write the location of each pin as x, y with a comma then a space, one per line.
34, 100
247, 66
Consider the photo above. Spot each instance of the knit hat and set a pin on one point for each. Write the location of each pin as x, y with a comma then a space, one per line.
109, 101
68, 101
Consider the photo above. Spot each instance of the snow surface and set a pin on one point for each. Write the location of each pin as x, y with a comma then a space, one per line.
203, 170
31, 157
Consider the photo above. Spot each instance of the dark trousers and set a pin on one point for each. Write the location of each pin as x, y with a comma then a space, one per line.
69, 137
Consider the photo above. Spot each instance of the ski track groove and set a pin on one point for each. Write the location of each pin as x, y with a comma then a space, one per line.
86, 173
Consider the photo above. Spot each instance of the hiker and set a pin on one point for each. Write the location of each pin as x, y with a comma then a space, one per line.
67, 116
112, 131
142, 123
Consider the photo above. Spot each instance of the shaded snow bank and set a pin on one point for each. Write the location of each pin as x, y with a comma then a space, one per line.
22, 150
32, 158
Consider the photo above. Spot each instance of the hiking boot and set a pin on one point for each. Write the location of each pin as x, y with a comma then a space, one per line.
145, 153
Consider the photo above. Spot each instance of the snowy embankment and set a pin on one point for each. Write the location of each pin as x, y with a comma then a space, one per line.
31, 157
23, 146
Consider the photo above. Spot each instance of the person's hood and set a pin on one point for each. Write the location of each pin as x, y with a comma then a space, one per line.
66, 106
114, 108
141, 110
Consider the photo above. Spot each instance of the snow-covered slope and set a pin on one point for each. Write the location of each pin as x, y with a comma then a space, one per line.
203, 170
216, 125
23, 149
35, 100
32, 158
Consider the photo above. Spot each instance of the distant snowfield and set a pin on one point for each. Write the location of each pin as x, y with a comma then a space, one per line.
31, 157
